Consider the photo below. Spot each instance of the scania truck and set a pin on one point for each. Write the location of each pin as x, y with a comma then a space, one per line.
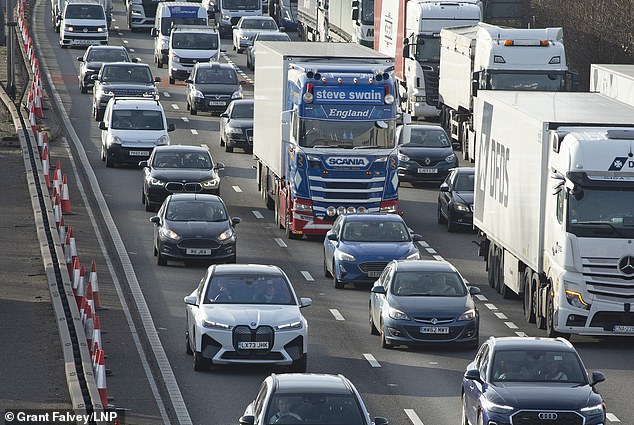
615, 81
487, 57
324, 132
410, 32
554, 207
336, 20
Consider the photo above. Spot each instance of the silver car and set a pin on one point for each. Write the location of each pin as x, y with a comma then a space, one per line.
248, 27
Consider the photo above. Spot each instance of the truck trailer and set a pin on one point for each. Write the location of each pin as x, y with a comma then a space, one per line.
488, 57
615, 81
554, 207
337, 20
324, 132
410, 32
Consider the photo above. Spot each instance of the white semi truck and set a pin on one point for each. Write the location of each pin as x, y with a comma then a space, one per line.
488, 57
410, 32
554, 207
336, 20
615, 81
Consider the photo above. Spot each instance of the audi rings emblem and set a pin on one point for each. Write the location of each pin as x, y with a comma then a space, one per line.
626, 265
547, 416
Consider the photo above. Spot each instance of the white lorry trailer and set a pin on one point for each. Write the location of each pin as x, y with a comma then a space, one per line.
554, 207
410, 32
615, 81
488, 57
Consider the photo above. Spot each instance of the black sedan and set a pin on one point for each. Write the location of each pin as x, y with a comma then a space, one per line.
211, 87
194, 227
92, 60
530, 381
424, 154
236, 126
455, 199
178, 168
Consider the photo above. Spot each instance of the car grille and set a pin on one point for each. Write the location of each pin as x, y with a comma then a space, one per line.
372, 266
217, 97
88, 29
605, 280
607, 319
192, 61
198, 243
438, 320
414, 332
129, 92
193, 187
535, 417
243, 333
432, 162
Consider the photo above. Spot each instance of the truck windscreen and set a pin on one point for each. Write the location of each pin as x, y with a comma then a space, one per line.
352, 135
427, 49
516, 81
240, 4
609, 212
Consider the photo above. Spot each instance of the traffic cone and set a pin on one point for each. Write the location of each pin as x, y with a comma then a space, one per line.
40, 141
57, 211
32, 118
57, 177
29, 100
101, 379
73, 246
65, 196
67, 253
53, 196
92, 279
76, 271
93, 350
82, 311
89, 300
62, 232
80, 294
96, 331
38, 98
45, 166
89, 325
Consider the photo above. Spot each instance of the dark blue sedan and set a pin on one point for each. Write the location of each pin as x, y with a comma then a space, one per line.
530, 381
359, 246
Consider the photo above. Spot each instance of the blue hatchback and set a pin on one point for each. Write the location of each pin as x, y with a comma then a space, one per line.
359, 246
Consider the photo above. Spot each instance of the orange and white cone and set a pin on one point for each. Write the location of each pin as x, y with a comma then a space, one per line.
101, 379
57, 211
65, 196
76, 271
96, 331
57, 177
53, 196
93, 281
29, 99
67, 253
80, 293
62, 232
40, 141
73, 246
45, 166
32, 118
88, 325
38, 99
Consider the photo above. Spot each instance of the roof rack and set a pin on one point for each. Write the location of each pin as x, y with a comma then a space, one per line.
194, 27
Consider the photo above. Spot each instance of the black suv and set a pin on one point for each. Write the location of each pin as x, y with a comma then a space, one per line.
121, 79
212, 86
96, 56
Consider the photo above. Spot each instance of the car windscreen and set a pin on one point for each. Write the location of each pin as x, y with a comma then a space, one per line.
242, 110
299, 409
263, 36
216, 76
426, 138
136, 119
259, 24
375, 231
192, 41
193, 160
84, 11
537, 366
464, 183
107, 55
249, 289
240, 4
196, 210
127, 74
428, 283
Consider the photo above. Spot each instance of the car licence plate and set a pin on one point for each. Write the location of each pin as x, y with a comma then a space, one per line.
624, 329
216, 103
374, 274
198, 251
434, 329
139, 153
428, 170
258, 345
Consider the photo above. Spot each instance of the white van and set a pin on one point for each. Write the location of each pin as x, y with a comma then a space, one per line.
83, 23
227, 13
190, 44
131, 128
168, 15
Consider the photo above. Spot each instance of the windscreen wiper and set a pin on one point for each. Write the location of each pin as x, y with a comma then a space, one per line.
600, 223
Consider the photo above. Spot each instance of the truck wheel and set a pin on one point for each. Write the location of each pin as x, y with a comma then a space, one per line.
529, 296
491, 266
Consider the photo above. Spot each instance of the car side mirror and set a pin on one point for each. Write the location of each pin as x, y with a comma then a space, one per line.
282, 29
135, 60
597, 377
332, 237
235, 221
224, 115
378, 289
474, 290
143, 164
171, 127
416, 237
473, 374
189, 81
219, 166
379, 420
247, 420
94, 77
157, 79
80, 58
305, 302
190, 300
156, 220
223, 50
102, 125
444, 187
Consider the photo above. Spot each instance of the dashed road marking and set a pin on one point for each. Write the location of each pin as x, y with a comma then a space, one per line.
336, 313
258, 214
370, 358
166, 94
501, 315
131, 50
411, 414
612, 418
423, 244
438, 258
307, 276
280, 242
431, 250
511, 325
237, 188
185, 119
175, 106
481, 297
491, 306
116, 27
522, 334
125, 41
194, 131
120, 34
433, 363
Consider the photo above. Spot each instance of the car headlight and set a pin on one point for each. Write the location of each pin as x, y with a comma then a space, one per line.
226, 17
233, 130
70, 28
175, 58
397, 314
163, 140
155, 182
114, 140
592, 410
211, 183
289, 326
101, 29
169, 234
225, 235
414, 256
237, 94
496, 408
344, 256
468, 315
460, 206
244, 37
451, 158
198, 94
104, 92
216, 325
402, 157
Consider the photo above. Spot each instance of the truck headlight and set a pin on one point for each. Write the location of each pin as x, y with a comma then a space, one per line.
289, 326
397, 314
175, 58
169, 234
344, 256
226, 17
102, 29
163, 140
302, 207
575, 299
114, 140
225, 235
198, 94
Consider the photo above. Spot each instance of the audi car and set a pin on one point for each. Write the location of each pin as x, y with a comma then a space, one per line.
515, 380
244, 314
359, 246
236, 126
455, 199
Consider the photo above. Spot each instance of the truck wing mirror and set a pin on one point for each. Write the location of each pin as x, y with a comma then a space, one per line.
355, 14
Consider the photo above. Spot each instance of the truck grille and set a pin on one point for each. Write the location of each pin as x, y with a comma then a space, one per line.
431, 75
372, 266
332, 190
243, 333
605, 280
607, 319
534, 417
192, 61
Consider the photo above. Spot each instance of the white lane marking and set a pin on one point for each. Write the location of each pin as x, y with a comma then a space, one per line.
125, 41
481, 297
185, 119
612, 418
194, 131
166, 94
370, 358
307, 276
175, 106
258, 214
491, 306
438, 258
433, 363
131, 50
511, 325
116, 26
336, 313
411, 414
521, 334
431, 250
237, 189
423, 244
501, 315
120, 34
280, 242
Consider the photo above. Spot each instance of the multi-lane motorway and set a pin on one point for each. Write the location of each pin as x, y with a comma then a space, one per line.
155, 378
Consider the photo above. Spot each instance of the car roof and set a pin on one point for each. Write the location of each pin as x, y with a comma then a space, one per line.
248, 269
424, 265
373, 217
240, 101
107, 47
424, 127
531, 343
127, 64
181, 148
194, 197
194, 28
258, 18
464, 170
312, 383
144, 103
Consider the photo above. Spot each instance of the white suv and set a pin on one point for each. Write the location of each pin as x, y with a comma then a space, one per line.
131, 128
